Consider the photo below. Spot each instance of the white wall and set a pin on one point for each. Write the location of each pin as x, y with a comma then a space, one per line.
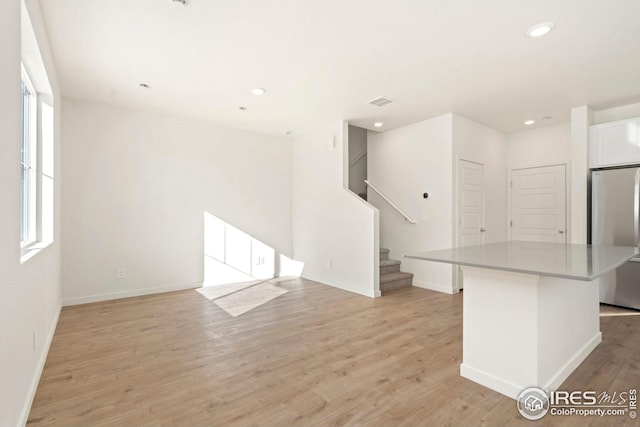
404, 163
478, 143
543, 146
357, 172
613, 114
581, 119
136, 189
329, 221
29, 292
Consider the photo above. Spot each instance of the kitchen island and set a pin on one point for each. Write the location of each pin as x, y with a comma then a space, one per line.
530, 309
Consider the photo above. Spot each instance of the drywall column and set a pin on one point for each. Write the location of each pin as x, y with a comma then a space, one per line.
335, 232
581, 118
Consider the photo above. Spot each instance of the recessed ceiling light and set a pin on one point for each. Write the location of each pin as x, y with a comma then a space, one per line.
378, 124
546, 118
529, 122
242, 108
258, 91
144, 85
540, 29
289, 132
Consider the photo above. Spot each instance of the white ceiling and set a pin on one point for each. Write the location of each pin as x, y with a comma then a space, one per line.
321, 60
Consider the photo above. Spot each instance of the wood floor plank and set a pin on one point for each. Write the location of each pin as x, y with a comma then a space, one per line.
314, 356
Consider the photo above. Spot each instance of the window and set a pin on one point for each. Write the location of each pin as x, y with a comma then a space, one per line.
28, 163
37, 151
36, 164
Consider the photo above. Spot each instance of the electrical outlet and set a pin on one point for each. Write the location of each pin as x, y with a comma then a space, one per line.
121, 274
329, 263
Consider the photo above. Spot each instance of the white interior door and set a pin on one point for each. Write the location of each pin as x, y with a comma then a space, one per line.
470, 209
538, 204
470, 203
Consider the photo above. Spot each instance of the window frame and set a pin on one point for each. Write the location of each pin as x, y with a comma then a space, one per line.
39, 214
29, 232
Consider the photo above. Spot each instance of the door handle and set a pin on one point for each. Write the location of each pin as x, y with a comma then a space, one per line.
482, 230
561, 231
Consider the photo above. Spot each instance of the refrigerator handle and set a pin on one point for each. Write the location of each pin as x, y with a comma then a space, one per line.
636, 207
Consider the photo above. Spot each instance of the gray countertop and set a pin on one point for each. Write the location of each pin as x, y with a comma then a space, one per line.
569, 261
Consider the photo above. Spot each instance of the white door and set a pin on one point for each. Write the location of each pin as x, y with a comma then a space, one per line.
470, 211
538, 204
470, 203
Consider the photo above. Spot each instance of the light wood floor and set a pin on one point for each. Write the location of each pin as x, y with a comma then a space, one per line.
316, 356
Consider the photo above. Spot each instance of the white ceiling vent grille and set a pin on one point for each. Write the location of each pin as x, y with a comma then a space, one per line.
380, 101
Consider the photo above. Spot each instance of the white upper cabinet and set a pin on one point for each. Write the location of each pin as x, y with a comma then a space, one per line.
615, 143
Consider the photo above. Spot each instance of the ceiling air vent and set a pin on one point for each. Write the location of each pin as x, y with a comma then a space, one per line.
380, 101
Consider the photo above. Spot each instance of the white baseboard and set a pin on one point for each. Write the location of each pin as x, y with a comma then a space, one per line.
371, 293
491, 381
513, 390
563, 373
127, 294
31, 394
435, 287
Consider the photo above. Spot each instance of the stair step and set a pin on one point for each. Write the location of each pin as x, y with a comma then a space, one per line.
389, 266
391, 277
397, 280
384, 254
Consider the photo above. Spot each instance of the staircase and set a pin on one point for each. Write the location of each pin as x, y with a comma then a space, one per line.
390, 275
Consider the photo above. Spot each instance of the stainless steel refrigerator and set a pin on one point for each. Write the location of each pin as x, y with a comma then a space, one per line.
615, 216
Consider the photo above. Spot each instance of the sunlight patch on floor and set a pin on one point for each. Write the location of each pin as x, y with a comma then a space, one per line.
246, 300
241, 297
214, 292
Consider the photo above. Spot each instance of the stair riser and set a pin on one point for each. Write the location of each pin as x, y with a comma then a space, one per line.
396, 284
389, 269
384, 255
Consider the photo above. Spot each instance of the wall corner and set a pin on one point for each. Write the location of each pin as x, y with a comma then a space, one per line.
581, 119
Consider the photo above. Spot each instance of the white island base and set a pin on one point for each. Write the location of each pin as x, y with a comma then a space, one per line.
525, 330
